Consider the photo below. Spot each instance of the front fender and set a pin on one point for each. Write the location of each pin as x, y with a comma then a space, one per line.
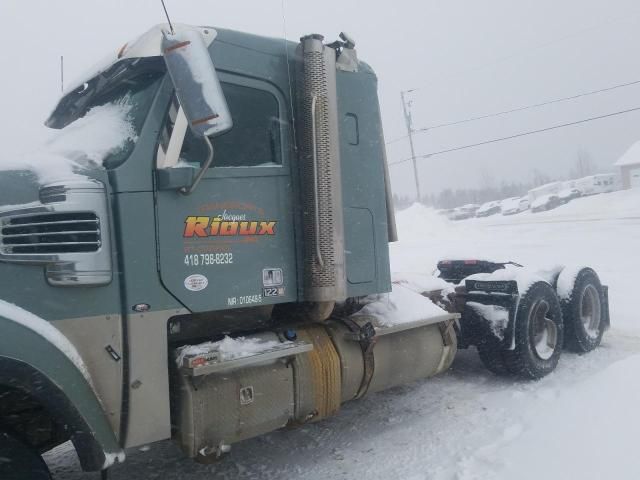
38, 359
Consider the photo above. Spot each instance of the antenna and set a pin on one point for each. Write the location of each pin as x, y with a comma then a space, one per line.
167, 14
286, 53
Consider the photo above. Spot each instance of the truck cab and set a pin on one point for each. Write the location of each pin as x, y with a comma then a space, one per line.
152, 245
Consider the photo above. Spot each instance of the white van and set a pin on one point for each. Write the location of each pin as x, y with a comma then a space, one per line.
593, 184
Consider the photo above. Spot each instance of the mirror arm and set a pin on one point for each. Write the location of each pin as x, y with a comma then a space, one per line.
203, 170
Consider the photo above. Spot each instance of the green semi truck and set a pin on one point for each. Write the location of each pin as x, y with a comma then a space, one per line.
204, 282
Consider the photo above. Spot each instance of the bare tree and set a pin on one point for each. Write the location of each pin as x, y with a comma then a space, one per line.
584, 165
540, 178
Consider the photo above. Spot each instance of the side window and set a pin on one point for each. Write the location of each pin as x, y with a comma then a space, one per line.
254, 139
165, 143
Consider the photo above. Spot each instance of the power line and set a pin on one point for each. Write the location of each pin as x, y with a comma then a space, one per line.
528, 107
517, 135
517, 109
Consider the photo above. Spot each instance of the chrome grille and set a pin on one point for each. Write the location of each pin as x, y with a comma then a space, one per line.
51, 233
67, 232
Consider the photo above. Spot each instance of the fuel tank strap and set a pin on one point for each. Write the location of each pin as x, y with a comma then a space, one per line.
324, 366
366, 337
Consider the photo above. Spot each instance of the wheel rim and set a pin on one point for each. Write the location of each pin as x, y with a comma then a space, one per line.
544, 330
590, 311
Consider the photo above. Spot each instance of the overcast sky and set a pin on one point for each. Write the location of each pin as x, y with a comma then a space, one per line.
460, 58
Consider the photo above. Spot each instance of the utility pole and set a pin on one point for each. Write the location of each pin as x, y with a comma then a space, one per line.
406, 107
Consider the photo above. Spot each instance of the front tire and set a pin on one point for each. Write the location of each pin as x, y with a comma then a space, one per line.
19, 461
539, 334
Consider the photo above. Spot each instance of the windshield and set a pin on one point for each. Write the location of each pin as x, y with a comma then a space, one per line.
133, 82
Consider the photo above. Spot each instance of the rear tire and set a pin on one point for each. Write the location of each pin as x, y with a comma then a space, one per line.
18, 461
493, 360
538, 334
584, 312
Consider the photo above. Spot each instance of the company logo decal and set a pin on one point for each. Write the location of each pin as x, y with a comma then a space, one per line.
232, 225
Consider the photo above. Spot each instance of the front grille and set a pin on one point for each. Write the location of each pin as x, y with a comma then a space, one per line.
50, 233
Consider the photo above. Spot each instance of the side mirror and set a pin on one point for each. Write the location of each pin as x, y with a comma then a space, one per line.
197, 88
196, 82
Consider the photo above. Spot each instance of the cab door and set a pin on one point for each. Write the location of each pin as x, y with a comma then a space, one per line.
231, 243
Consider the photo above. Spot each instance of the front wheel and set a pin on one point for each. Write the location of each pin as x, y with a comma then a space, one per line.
19, 461
539, 334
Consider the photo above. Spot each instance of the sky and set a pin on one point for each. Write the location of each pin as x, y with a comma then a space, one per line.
456, 59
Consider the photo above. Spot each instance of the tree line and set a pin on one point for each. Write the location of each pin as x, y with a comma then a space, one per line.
452, 198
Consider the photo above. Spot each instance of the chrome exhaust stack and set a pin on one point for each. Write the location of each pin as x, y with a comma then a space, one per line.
319, 157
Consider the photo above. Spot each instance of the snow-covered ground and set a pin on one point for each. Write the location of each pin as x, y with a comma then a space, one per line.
581, 422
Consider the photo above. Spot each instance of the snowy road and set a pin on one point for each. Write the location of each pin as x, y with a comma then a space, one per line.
579, 422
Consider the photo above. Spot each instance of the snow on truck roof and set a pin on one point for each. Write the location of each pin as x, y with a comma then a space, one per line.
630, 157
149, 45
146, 45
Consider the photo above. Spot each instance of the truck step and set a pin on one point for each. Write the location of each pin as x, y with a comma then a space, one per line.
399, 327
208, 360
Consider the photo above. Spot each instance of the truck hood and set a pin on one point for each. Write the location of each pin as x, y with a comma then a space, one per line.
69, 153
18, 187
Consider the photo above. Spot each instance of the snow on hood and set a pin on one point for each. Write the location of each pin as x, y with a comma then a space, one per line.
82, 144
401, 305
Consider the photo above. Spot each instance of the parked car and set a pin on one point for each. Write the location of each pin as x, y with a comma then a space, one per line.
569, 194
465, 211
445, 211
514, 205
488, 209
546, 202
552, 188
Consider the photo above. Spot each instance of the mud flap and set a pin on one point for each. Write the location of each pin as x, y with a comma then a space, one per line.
605, 297
480, 331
